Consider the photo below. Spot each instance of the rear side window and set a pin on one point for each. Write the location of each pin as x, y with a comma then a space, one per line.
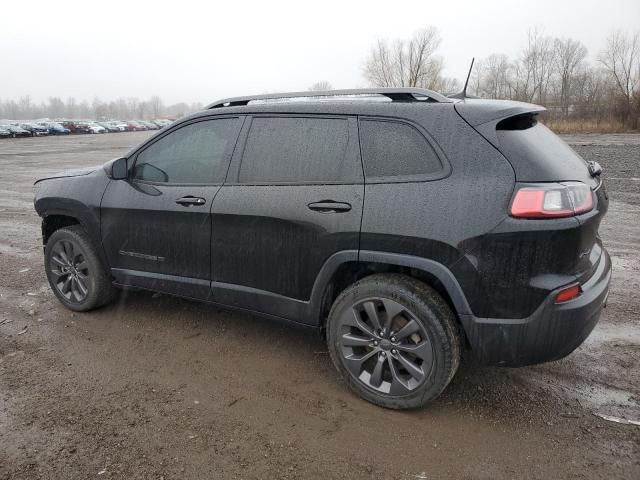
393, 149
297, 150
195, 153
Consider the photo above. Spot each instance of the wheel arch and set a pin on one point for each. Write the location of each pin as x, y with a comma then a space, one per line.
56, 221
67, 212
343, 269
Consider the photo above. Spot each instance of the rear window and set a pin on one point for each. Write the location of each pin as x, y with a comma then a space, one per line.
393, 149
537, 154
298, 150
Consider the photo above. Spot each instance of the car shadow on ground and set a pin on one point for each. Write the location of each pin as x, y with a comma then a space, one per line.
476, 389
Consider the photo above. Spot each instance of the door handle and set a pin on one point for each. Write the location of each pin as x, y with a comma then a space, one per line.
329, 206
190, 200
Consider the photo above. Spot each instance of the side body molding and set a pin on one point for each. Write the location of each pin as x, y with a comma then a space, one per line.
274, 305
305, 312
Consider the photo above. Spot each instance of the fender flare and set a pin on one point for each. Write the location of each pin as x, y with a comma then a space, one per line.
47, 207
432, 267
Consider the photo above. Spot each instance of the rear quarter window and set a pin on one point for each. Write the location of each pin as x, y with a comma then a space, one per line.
395, 150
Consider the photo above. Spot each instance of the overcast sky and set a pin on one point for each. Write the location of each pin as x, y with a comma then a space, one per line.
201, 51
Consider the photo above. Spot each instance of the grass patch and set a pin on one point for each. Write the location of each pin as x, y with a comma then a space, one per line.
586, 126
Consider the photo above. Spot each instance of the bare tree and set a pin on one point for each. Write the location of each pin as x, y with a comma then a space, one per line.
621, 58
141, 110
25, 107
594, 93
55, 108
155, 103
492, 78
72, 108
447, 85
100, 109
12, 109
534, 70
85, 109
178, 109
569, 55
406, 63
132, 106
321, 86
122, 108
476, 78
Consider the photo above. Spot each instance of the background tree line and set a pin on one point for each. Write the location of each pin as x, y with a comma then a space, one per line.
122, 108
580, 93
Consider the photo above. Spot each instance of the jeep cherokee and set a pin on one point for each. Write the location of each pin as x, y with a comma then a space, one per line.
406, 225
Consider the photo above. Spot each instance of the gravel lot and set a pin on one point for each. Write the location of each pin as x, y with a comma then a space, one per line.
158, 387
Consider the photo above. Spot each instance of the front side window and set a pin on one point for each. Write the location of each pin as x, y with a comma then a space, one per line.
195, 153
394, 149
298, 150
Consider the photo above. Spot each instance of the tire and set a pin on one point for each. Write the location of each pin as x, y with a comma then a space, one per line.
411, 361
75, 272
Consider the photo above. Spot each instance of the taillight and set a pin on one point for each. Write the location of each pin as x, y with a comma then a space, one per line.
552, 201
568, 293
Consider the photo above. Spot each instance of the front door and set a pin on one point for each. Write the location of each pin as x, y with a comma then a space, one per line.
156, 225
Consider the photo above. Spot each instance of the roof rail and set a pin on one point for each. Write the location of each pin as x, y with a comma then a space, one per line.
395, 94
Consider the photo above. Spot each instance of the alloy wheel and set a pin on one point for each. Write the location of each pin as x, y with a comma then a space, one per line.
384, 346
70, 271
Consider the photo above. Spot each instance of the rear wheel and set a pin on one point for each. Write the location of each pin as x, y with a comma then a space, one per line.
394, 340
74, 270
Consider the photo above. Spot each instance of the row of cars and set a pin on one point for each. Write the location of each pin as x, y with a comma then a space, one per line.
66, 127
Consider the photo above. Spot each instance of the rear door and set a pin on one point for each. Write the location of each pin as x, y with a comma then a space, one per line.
156, 225
293, 198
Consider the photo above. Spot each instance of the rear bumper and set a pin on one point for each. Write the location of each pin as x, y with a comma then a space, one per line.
553, 331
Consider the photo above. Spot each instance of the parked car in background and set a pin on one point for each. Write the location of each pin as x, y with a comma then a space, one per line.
96, 128
64, 126
149, 125
110, 127
76, 126
162, 122
123, 126
35, 129
134, 126
55, 128
4, 132
17, 131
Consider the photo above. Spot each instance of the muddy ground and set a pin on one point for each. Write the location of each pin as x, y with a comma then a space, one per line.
157, 387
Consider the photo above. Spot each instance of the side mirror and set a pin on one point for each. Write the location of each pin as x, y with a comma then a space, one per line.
117, 169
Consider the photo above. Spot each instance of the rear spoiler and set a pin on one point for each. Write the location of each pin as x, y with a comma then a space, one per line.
484, 115
478, 112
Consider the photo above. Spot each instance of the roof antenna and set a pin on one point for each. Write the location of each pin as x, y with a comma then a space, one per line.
463, 94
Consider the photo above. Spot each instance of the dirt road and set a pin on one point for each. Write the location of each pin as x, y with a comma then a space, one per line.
157, 387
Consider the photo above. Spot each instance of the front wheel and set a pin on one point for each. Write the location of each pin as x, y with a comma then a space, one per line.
75, 272
394, 340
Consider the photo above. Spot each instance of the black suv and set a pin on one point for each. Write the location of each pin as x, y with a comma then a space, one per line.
405, 224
